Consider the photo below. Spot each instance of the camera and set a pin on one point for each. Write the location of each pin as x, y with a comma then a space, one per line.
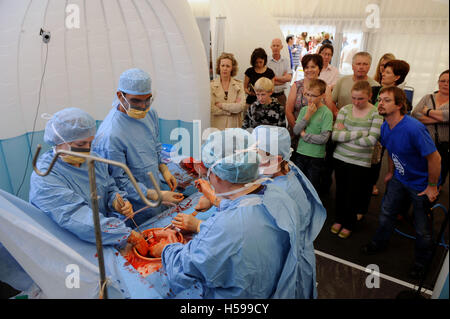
45, 35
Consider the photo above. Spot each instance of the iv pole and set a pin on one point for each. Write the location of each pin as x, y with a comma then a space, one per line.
94, 197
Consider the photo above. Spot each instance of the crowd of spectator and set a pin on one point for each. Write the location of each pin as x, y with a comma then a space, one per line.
345, 124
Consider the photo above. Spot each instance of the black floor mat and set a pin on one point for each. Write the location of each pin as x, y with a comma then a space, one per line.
399, 257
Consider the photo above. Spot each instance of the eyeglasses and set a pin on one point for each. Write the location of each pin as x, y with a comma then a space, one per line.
384, 100
443, 81
140, 104
310, 95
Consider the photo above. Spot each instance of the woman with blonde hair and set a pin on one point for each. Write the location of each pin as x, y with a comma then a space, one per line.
227, 94
380, 67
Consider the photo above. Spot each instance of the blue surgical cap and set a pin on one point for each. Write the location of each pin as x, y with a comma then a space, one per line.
136, 82
229, 156
71, 124
274, 140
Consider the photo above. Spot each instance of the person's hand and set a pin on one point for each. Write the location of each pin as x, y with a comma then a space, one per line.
339, 126
251, 89
165, 237
122, 207
187, 222
168, 177
205, 188
424, 110
388, 177
431, 192
219, 105
312, 108
302, 133
172, 197
203, 204
138, 241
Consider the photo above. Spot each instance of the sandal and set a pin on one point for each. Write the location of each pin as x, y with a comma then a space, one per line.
344, 233
336, 228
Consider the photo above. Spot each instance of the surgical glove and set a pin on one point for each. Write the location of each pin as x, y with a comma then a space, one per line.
152, 194
168, 177
165, 237
172, 197
123, 207
205, 188
187, 222
203, 204
138, 241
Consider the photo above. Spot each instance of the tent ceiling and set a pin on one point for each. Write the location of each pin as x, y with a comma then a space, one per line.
342, 8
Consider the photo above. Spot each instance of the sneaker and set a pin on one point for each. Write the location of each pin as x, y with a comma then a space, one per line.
417, 271
336, 228
370, 249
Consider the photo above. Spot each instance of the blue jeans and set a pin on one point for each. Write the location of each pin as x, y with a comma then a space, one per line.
393, 202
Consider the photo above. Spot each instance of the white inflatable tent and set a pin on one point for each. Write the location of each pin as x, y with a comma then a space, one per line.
91, 44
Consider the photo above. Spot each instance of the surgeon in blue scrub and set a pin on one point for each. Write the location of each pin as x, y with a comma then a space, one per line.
130, 134
273, 144
274, 147
248, 248
64, 194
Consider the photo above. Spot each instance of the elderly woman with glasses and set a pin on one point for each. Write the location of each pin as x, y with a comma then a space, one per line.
432, 110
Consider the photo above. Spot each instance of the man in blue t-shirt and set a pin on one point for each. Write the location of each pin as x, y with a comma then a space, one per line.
413, 175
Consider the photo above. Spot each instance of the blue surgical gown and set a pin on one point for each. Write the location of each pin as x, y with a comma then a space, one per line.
242, 251
312, 216
134, 142
64, 195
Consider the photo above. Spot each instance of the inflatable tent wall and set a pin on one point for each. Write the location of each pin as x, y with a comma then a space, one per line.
91, 44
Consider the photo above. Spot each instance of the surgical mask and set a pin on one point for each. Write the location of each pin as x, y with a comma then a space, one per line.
135, 111
71, 159
270, 170
246, 186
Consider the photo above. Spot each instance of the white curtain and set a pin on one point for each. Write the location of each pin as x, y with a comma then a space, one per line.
248, 26
422, 43
218, 44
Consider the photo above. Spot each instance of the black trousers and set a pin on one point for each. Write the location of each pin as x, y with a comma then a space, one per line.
326, 179
311, 167
352, 187
442, 148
